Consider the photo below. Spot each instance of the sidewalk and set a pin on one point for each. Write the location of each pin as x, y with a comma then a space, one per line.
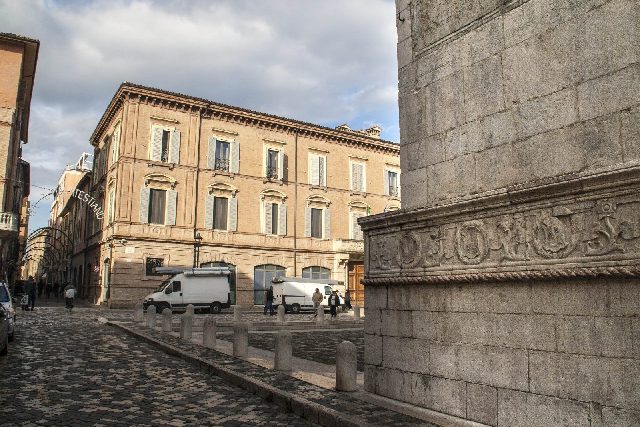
316, 402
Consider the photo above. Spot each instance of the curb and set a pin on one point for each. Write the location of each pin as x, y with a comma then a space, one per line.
302, 407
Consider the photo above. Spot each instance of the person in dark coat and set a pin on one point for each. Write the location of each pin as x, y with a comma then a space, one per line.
47, 290
268, 301
40, 287
334, 303
347, 300
30, 288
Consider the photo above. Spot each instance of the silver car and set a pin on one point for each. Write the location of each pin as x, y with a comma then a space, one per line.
7, 304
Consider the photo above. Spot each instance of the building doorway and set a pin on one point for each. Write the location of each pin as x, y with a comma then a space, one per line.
262, 275
356, 289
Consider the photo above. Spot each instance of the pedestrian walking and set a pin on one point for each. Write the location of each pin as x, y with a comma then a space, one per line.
334, 302
30, 289
347, 300
40, 287
69, 295
317, 298
47, 290
268, 301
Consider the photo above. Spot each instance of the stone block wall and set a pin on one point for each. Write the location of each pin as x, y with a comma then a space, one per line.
500, 92
519, 354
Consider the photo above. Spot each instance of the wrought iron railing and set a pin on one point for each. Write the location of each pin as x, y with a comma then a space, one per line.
221, 165
272, 172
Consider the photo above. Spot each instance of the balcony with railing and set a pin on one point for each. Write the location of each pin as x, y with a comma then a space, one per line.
272, 172
221, 165
9, 222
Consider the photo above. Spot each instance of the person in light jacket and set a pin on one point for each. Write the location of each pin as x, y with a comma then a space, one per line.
317, 299
334, 302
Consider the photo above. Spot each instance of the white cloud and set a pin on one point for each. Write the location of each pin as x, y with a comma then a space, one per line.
325, 62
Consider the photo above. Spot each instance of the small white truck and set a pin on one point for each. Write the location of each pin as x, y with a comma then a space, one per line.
298, 292
206, 288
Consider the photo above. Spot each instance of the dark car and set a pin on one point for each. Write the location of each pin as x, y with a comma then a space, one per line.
4, 331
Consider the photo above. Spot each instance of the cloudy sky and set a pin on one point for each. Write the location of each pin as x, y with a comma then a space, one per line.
323, 61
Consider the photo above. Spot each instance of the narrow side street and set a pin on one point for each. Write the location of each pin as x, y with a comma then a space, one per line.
71, 370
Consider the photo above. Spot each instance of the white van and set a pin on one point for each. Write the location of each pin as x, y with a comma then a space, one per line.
298, 292
205, 288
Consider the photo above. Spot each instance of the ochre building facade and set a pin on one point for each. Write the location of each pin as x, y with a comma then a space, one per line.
184, 181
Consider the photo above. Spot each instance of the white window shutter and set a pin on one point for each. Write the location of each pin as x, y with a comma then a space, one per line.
359, 186
208, 212
156, 143
280, 164
267, 218
144, 204
314, 170
356, 230
354, 176
387, 190
233, 214
234, 166
170, 213
282, 219
327, 224
321, 171
174, 150
112, 205
211, 153
307, 222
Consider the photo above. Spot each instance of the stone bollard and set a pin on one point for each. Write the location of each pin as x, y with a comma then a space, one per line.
356, 312
241, 339
190, 309
167, 318
283, 355
138, 314
320, 315
151, 316
346, 366
209, 333
237, 313
186, 326
281, 311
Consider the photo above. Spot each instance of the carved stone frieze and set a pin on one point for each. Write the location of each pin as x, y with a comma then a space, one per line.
570, 232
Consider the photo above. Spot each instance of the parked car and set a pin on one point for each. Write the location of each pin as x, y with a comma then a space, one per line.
206, 288
4, 331
7, 303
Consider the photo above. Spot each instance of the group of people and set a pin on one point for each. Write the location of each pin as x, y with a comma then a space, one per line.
333, 301
33, 289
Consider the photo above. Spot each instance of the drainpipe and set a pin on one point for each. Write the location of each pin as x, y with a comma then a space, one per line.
295, 205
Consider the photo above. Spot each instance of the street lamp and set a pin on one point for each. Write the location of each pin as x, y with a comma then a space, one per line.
196, 249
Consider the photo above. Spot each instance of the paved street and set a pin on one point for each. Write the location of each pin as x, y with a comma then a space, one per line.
71, 370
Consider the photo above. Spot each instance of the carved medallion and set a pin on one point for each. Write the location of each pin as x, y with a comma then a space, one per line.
552, 238
471, 243
410, 250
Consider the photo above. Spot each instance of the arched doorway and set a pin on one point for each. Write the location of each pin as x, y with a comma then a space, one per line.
262, 275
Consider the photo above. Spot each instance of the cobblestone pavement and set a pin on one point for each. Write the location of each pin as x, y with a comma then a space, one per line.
70, 370
344, 403
318, 345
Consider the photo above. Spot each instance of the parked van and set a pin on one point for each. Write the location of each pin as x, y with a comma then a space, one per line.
205, 288
298, 292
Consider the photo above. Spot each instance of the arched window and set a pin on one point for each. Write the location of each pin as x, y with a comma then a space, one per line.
316, 272
262, 275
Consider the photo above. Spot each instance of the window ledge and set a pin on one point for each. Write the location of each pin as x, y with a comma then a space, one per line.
151, 163
358, 193
274, 180
319, 187
223, 173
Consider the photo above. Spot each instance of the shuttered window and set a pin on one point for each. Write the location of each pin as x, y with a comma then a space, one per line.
316, 223
220, 213
157, 206
392, 184
358, 177
272, 171
317, 168
165, 145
